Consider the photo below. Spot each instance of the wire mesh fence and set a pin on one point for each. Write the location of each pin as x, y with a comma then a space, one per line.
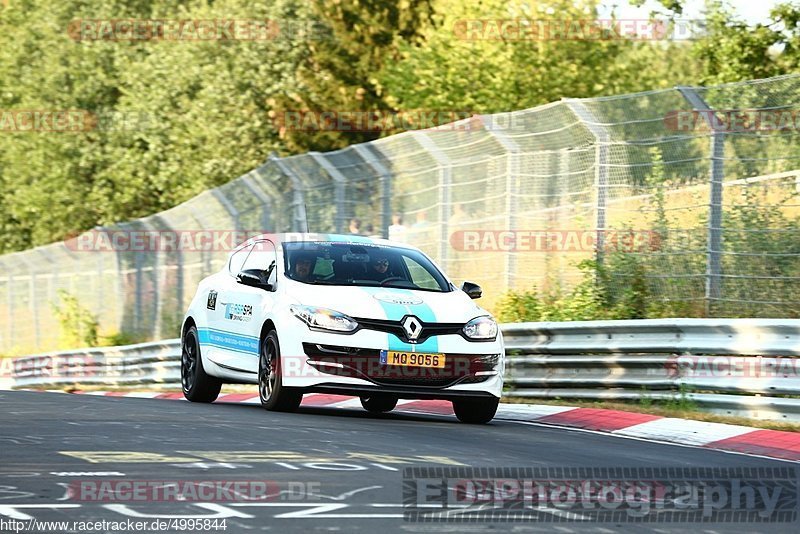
697, 186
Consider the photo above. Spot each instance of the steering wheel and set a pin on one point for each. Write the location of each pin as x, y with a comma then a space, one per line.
392, 279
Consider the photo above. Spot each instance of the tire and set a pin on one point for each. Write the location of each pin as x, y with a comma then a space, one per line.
273, 394
475, 411
196, 384
379, 403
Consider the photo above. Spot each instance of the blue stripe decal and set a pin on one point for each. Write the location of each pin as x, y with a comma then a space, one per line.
228, 340
229, 332
395, 312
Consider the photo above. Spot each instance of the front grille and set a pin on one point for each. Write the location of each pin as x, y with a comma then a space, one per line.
365, 364
396, 328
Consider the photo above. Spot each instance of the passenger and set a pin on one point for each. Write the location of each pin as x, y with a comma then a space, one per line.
303, 268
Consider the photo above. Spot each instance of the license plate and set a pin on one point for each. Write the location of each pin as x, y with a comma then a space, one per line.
412, 359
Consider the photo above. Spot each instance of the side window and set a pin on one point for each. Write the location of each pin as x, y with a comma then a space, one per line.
420, 275
262, 256
237, 260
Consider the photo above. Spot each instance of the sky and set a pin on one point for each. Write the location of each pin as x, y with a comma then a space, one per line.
752, 11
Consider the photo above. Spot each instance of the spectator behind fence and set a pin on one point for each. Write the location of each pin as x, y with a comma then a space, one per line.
369, 230
397, 232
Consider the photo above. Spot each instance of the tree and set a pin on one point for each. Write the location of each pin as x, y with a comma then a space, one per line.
355, 40
489, 71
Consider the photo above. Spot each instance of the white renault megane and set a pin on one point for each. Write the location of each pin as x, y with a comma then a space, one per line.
343, 314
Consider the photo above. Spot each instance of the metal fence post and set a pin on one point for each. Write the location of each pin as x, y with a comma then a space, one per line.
339, 182
34, 315
445, 179
299, 218
137, 310
512, 188
713, 290
602, 138
385, 178
5, 343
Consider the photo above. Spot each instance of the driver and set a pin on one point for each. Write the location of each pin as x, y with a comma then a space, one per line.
379, 268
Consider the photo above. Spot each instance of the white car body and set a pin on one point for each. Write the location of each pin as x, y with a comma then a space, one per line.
232, 319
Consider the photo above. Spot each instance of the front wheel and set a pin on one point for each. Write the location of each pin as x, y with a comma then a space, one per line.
475, 411
379, 403
273, 394
197, 385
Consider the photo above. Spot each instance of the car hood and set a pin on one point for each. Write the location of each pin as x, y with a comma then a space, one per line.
388, 303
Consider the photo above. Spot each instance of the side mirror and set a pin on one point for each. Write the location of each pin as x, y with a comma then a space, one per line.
473, 290
253, 278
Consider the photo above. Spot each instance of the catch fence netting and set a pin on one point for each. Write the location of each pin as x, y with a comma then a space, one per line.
690, 193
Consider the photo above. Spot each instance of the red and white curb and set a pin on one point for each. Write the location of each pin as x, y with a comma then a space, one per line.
718, 436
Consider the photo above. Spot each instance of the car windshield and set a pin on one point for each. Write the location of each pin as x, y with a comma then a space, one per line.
349, 264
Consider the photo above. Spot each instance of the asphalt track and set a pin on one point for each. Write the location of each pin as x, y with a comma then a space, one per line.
350, 460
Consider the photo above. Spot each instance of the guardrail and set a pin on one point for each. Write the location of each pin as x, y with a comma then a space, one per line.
156, 365
739, 367
744, 367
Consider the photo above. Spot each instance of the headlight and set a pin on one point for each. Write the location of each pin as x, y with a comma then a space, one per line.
324, 319
481, 328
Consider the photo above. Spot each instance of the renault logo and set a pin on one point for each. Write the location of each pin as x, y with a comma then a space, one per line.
413, 327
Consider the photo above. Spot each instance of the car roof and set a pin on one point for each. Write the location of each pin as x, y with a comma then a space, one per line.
297, 237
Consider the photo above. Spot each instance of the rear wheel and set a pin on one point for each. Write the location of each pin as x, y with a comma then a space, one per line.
197, 385
273, 394
475, 411
379, 403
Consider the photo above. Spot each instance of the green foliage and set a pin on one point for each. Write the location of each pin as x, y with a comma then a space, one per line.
672, 5
681, 401
645, 401
121, 338
733, 50
339, 72
206, 112
78, 325
450, 72
519, 306
759, 244
589, 300
758, 224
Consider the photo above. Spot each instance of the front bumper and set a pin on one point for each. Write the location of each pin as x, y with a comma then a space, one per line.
358, 390
365, 364
350, 365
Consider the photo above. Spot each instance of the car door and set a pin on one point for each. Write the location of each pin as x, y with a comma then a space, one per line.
244, 307
213, 333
